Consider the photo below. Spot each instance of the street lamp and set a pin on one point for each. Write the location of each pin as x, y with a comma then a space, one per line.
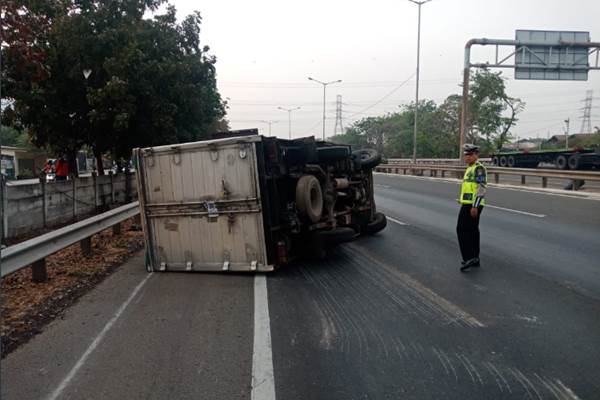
419, 3
289, 110
567, 122
324, 87
269, 123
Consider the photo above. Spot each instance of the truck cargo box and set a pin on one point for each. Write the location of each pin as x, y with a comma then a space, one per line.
201, 206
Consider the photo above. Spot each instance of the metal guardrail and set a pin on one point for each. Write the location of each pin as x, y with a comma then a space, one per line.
34, 251
495, 171
432, 161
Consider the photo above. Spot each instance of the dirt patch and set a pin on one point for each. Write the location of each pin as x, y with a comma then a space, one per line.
27, 307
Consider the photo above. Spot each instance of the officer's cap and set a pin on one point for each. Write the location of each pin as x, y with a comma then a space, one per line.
469, 148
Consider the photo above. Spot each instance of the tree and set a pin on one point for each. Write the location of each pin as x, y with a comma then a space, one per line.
488, 107
114, 80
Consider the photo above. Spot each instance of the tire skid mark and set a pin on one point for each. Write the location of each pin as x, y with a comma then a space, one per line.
529, 383
353, 317
359, 291
325, 287
493, 367
466, 366
450, 364
494, 376
346, 308
418, 305
566, 391
409, 305
426, 315
511, 370
429, 298
326, 304
473, 368
548, 386
441, 361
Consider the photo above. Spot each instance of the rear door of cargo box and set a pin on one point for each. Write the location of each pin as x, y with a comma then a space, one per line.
201, 206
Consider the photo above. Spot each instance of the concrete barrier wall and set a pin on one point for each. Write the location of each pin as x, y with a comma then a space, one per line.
45, 205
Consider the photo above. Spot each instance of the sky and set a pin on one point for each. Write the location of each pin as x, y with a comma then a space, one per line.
267, 49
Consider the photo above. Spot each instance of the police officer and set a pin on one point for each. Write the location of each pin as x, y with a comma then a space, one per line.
472, 200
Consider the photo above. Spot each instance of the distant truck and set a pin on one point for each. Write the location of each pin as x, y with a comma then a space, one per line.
573, 159
252, 203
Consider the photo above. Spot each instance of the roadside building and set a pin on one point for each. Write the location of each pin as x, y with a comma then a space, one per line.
18, 163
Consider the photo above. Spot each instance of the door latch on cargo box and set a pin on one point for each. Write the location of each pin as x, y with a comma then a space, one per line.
212, 210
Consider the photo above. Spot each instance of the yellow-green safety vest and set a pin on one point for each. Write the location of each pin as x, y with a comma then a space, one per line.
468, 190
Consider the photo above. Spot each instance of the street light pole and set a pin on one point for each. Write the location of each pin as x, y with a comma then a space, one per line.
415, 127
289, 110
324, 98
269, 123
567, 122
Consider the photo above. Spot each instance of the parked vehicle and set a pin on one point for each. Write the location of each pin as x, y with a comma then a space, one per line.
574, 159
248, 203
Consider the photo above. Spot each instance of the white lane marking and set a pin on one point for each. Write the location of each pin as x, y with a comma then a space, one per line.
96, 342
517, 211
394, 220
263, 380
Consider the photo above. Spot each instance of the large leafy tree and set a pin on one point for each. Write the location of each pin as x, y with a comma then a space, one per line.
492, 112
111, 79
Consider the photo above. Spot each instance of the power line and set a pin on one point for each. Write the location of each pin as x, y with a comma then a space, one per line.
384, 97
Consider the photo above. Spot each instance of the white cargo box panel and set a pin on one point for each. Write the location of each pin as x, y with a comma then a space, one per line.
201, 206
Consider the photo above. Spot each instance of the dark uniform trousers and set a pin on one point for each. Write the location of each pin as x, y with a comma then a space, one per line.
467, 230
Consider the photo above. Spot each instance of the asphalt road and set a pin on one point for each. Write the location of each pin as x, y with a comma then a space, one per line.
385, 317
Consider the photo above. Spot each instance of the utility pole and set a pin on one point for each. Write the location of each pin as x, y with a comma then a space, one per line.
325, 87
419, 3
567, 122
269, 123
289, 110
338, 115
586, 123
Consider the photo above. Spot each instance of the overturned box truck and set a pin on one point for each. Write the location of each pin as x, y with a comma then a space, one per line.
252, 203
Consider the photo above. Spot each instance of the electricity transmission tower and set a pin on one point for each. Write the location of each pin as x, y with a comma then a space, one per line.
338, 115
586, 120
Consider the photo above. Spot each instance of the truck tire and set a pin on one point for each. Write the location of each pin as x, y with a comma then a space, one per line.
378, 224
495, 161
309, 197
503, 161
561, 162
367, 158
574, 162
511, 162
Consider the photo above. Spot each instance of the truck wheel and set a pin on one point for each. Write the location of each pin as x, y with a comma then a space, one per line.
561, 162
309, 197
510, 162
574, 162
495, 161
367, 158
503, 161
378, 224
